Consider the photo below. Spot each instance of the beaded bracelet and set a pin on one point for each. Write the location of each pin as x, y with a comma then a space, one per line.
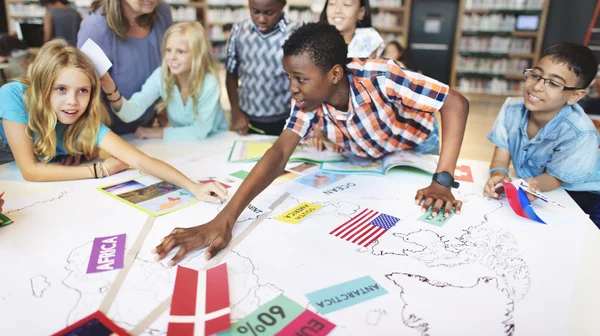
500, 169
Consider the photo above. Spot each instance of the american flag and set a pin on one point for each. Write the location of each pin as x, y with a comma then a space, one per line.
365, 228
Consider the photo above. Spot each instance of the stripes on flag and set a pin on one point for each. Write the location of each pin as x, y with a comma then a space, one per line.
365, 228
200, 303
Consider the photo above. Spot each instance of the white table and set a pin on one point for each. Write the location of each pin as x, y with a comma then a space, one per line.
585, 305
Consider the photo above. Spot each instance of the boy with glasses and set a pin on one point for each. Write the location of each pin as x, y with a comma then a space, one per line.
546, 134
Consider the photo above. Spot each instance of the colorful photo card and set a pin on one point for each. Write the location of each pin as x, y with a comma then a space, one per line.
150, 195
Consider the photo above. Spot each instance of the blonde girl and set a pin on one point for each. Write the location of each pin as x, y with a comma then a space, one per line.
56, 110
187, 84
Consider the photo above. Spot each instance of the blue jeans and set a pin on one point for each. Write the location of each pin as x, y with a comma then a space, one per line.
589, 202
431, 145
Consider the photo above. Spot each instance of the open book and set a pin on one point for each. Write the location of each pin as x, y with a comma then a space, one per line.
253, 150
358, 165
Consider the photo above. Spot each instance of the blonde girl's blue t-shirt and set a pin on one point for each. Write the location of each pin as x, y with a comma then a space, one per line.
13, 109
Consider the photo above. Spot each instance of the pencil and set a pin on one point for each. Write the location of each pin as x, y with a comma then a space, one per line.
257, 130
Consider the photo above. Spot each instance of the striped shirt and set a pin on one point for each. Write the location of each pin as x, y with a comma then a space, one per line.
390, 109
256, 58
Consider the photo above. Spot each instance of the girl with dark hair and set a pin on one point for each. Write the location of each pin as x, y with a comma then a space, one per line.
353, 19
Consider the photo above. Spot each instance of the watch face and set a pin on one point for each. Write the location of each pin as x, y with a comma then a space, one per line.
444, 178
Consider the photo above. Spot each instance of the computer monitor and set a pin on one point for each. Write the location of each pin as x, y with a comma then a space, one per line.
32, 34
527, 22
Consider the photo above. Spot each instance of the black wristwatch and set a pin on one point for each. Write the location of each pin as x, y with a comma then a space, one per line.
445, 179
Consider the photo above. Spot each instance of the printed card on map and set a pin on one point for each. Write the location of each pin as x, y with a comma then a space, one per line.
345, 294
269, 319
108, 253
463, 173
319, 180
4, 220
298, 213
308, 323
97, 56
96, 324
438, 220
151, 195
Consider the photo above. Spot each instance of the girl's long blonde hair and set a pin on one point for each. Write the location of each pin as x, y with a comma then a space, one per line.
79, 137
115, 19
203, 61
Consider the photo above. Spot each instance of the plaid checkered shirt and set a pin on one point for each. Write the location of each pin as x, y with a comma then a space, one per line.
390, 109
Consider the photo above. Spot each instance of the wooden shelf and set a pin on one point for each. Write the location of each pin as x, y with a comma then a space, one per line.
501, 11
194, 4
535, 36
495, 54
527, 34
399, 32
389, 9
23, 17
508, 76
488, 95
390, 29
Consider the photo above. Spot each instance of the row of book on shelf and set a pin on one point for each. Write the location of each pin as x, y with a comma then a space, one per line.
505, 4
496, 44
490, 85
495, 66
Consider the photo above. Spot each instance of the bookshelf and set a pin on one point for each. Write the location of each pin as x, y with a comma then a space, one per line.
490, 53
30, 11
390, 17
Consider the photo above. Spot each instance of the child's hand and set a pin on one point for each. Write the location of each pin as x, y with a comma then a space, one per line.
320, 142
163, 118
316, 143
330, 146
215, 235
533, 185
240, 123
489, 188
148, 133
75, 160
209, 192
437, 196
1, 202
114, 165
105, 78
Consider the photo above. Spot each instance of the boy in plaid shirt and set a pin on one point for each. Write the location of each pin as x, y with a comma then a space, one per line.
369, 107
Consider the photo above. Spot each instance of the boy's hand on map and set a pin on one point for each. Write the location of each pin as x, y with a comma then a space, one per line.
320, 142
114, 165
438, 196
489, 190
213, 234
210, 192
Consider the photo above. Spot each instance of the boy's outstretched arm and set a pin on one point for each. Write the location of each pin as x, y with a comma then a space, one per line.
454, 114
501, 159
216, 234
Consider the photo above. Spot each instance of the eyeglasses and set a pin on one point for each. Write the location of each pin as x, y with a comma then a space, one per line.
533, 78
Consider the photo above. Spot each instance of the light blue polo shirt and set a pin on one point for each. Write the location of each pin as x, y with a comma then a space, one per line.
566, 148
